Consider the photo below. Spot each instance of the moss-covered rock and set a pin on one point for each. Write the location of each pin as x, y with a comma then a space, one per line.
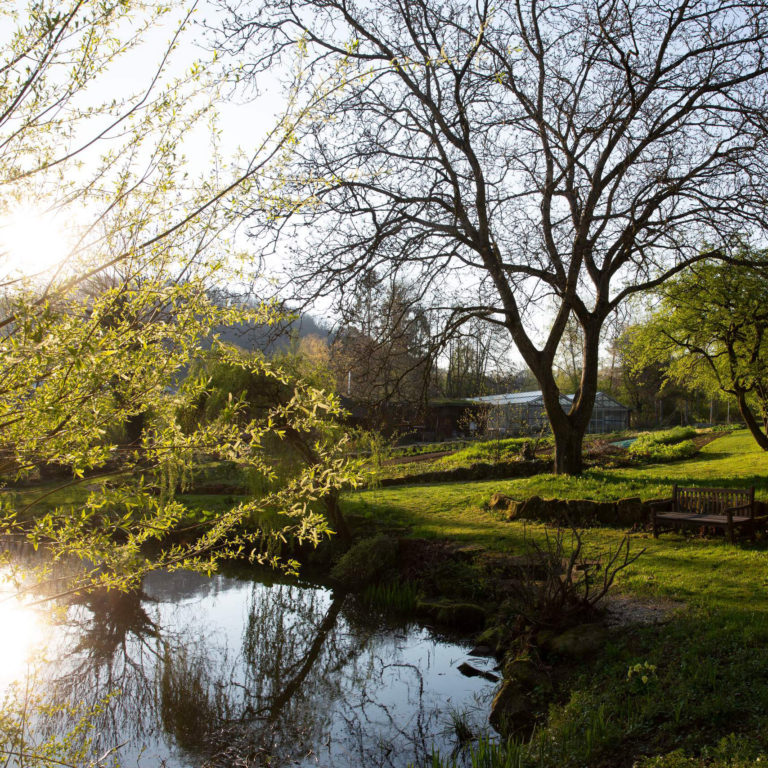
463, 616
527, 674
577, 642
511, 708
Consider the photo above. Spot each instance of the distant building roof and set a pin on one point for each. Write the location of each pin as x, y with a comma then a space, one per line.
512, 398
524, 398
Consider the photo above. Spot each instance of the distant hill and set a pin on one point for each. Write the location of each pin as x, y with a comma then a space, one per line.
265, 338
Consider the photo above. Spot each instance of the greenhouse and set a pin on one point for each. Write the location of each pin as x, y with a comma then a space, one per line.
524, 413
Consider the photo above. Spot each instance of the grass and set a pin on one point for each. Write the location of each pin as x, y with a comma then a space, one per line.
706, 703
507, 449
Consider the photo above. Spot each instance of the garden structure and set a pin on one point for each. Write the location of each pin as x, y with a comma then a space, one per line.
523, 412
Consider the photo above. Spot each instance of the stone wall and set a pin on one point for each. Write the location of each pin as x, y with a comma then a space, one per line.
582, 512
502, 470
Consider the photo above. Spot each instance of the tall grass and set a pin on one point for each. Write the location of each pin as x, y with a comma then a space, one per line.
393, 596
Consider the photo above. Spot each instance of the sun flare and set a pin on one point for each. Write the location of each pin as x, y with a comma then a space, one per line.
32, 241
21, 632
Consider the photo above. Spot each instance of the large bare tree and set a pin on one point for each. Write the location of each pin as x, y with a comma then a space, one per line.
524, 161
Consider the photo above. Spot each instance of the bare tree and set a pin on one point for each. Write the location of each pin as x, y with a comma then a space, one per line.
382, 353
536, 154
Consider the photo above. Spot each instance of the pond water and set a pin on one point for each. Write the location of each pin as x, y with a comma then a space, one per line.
235, 671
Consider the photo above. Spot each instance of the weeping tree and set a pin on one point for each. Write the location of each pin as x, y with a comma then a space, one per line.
524, 163
709, 329
99, 342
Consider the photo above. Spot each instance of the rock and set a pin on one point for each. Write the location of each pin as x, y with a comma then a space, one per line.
511, 708
630, 511
482, 650
532, 509
500, 503
492, 637
577, 642
527, 675
607, 512
466, 552
469, 671
465, 616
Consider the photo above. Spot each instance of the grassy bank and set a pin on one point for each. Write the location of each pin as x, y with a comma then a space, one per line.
704, 700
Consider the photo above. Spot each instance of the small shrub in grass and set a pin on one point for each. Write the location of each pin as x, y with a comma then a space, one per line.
665, 436
366, 561
664, 452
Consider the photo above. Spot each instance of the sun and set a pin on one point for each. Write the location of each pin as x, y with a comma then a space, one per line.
32, 241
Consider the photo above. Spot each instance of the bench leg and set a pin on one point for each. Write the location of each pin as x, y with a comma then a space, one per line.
729, 532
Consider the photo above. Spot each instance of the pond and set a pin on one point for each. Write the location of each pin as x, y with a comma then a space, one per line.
232, 670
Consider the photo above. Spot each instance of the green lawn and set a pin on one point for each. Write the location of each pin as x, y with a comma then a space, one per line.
711, 658
731, 460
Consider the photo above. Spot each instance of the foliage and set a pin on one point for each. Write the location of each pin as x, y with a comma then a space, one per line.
666, 436
395, 596
484, 753
561, 584
366, 561
21, 744
709, 328
664, 445
94, 352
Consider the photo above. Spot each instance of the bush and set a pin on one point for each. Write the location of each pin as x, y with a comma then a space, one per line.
664, 436
665, 445
366, 561
661, 452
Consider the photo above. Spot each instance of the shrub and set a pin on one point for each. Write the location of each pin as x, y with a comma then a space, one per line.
561, 585
665, 445
662, 452
366, 561
665, 436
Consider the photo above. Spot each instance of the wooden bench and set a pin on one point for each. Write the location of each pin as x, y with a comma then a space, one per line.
730, 509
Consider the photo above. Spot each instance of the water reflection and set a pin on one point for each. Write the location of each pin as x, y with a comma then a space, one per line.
234, 672
23, 631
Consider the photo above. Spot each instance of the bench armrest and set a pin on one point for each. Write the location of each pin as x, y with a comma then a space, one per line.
658, 504
748, 507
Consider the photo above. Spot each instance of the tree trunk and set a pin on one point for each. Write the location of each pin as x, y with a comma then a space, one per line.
749, 418
568, 429
336, 517
568, 449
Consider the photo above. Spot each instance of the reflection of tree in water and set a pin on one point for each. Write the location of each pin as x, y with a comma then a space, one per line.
300, 676
274, 700
110, 643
